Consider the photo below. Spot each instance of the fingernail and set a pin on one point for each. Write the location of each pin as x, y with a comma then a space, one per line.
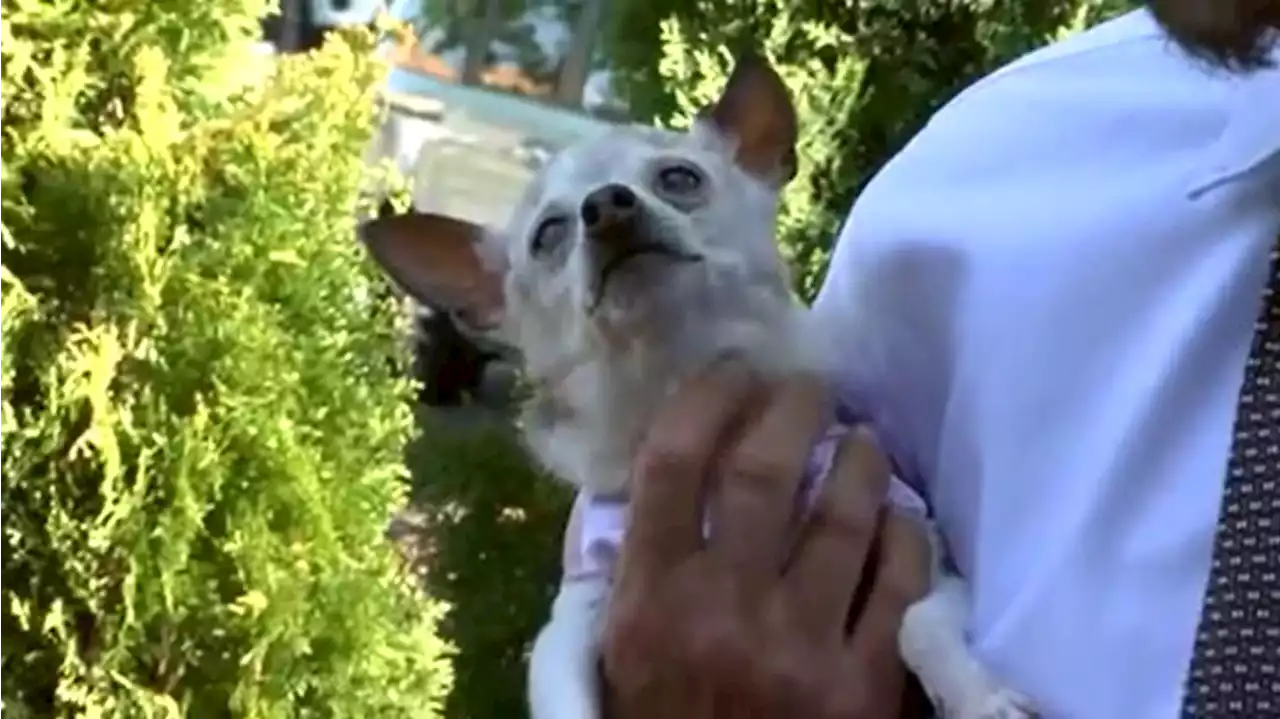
866, 433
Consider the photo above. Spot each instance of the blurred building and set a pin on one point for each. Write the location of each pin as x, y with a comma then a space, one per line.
469, 123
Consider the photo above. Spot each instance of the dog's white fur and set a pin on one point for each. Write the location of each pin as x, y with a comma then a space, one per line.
605, 361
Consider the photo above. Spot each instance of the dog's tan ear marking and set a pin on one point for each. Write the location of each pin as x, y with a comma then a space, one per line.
755, 109
439, 261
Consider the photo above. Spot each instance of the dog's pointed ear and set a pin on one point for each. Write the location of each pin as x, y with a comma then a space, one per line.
441, 261
755, 112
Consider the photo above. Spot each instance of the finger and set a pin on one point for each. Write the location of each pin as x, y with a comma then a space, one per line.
753, 501
902, 578
676, 697
671, 467
649, 676
831, 557
868, 690
672, 696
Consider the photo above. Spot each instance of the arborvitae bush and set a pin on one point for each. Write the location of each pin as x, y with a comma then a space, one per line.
203, 420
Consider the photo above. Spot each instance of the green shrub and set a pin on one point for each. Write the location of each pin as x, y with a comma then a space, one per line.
202, 428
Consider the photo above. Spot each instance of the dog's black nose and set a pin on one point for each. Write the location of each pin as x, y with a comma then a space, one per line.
609, 211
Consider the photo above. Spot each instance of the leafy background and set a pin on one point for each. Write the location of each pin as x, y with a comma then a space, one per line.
203, 418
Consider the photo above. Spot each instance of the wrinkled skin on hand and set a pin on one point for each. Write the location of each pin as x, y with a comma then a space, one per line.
760, 619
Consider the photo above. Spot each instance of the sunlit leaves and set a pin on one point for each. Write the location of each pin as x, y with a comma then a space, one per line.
203, 425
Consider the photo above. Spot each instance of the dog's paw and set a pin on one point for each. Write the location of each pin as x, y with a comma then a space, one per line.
997, 704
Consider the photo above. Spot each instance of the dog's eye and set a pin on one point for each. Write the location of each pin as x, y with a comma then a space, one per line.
679, 180
550, 233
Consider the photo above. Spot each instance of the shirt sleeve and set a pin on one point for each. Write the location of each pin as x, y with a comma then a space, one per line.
840, 316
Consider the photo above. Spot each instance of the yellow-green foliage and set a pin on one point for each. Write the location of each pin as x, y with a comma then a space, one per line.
203, 425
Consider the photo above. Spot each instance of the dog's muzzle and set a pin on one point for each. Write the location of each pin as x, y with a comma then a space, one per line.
620, 229
611, 215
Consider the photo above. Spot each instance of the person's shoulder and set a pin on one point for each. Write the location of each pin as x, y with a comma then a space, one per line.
1136, 30
1125, 70
1130, 45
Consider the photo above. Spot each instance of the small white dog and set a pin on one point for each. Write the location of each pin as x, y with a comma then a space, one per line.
635, 259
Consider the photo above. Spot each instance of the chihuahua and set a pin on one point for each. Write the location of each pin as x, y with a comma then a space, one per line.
633, 260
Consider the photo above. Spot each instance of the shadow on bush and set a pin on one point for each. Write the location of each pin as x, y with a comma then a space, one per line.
489, 539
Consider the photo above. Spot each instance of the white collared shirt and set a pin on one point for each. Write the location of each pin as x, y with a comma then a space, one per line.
1048, 297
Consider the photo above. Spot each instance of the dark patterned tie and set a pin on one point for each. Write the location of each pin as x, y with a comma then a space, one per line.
1235, 668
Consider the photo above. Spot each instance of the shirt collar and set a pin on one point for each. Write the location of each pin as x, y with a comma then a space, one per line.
1252, 132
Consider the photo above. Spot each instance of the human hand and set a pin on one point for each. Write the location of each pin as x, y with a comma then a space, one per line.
755, 621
